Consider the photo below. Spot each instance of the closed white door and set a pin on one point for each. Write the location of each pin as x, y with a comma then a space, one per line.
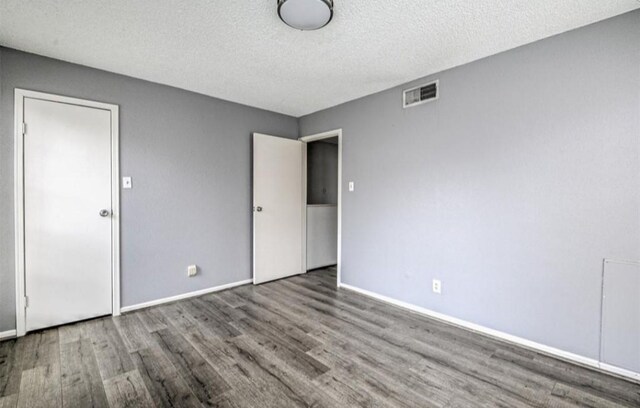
278, 208
67, 212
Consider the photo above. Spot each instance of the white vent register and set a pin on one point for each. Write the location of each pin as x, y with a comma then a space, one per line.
420, 94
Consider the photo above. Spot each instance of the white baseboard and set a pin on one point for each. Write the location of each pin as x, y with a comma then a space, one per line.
565, 355
184, 296
7, 334
620, 371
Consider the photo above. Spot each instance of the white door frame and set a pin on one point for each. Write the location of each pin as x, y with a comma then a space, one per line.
313, 138
20, 95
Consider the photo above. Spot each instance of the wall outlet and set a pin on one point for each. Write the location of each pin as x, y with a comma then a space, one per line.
192, 270
437, 286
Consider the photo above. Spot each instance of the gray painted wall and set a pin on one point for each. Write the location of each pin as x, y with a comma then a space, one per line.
621, 315
322, 173
190, 159
511, 188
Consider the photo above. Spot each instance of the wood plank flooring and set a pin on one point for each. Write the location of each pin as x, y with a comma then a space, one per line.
297, 342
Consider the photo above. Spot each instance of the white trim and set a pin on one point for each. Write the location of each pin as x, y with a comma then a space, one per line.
18, 196
620, 371
7, 334
313, 138
115, 209
303, 200
565, 355
19, 96
324, 135
253, 211
185, 295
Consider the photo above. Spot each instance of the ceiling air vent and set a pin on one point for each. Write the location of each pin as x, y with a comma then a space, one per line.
420, 94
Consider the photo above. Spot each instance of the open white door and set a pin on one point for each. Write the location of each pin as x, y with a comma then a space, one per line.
277, 208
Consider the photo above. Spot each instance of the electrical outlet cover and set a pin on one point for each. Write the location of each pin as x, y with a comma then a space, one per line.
192, 270
437, 286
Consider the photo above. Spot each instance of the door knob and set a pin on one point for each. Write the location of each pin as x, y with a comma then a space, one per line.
105, 213
259, 209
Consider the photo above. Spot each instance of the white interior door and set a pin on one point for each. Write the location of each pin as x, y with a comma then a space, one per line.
67, 212
278, 208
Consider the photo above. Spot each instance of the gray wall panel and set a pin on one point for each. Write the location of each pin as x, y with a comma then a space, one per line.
190, 159
511, 188
621, 315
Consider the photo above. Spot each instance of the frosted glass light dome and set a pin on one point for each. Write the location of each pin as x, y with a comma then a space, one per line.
305, 14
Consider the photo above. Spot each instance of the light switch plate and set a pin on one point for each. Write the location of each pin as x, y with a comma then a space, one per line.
352, 186
126, 182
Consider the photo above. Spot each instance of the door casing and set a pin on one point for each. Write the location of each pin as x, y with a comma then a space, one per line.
20, 95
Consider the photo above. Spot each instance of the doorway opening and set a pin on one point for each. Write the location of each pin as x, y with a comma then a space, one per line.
323, 154
284, 191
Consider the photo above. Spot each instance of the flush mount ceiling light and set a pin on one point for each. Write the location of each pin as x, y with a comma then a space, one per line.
305, 14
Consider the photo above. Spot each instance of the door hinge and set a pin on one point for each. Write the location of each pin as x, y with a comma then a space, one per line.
26, 302
24, 128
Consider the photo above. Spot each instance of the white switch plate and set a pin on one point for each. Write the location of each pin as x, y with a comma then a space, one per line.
437, 286
192, 270
351, 186
126, 182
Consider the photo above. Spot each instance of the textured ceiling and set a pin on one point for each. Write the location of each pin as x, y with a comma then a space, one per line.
238, 50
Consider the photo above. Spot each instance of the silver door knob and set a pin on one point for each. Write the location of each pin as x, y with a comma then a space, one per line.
258, 209
105, 213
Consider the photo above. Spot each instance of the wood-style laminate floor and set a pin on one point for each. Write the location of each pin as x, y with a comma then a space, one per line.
297, 342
